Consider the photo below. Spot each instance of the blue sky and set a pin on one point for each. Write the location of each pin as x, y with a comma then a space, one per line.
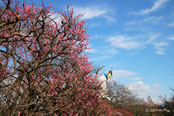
134, 38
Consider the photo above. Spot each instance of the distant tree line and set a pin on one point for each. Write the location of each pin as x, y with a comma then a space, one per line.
119, 96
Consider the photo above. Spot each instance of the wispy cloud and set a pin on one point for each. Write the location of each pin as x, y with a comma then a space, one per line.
156, 86
125, 74
171, 24
170, 38
111, 51
94, 25
103, 54
151, 39
99, 58
122, 73
136, 78
156, 6
132, 43
109, 18
160, 47
138, 86
125, 42
98, 36
151, 19
90, 11
141, 89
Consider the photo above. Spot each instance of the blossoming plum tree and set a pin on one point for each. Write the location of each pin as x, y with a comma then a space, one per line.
46, 62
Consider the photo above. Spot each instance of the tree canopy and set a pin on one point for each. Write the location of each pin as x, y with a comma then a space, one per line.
43, 65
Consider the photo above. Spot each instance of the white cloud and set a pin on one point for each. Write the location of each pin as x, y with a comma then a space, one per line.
156, 86
170, 38
159, 46
130, 43
111, 51
122, 73
132, 22
109, 18
151, 19
89, 12
94, 25
157, 5
103, 54
152, 37
136, 78
104, 57
125, 74
125, 42
171, 24
98, 36
140, 88
160, 51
